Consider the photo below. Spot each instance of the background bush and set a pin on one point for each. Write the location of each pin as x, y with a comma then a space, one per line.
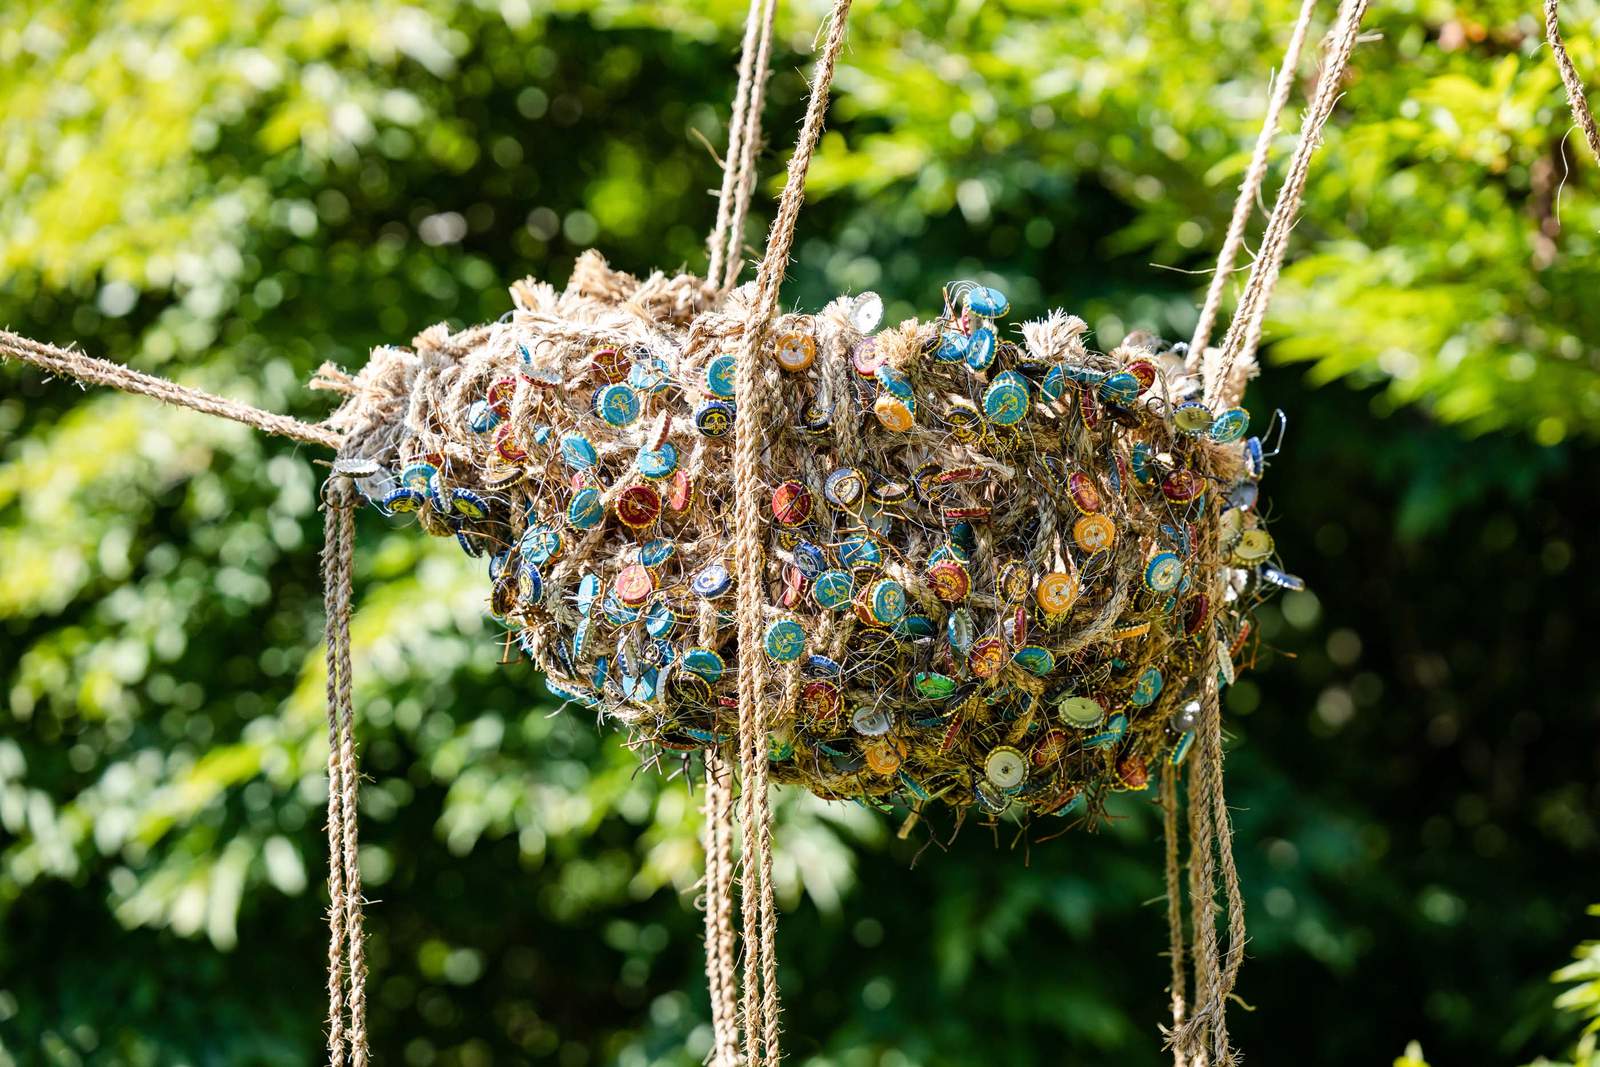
231, 194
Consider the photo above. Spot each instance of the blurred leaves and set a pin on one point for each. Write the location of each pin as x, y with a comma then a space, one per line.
231, 194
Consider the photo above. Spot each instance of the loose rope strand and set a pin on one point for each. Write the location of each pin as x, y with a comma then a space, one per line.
103, 372
1250, 188
1569, 78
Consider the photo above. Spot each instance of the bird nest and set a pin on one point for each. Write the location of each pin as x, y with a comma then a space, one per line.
994, 560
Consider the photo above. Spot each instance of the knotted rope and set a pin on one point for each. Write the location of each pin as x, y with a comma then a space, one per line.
1569, 78
347, 965
761, 999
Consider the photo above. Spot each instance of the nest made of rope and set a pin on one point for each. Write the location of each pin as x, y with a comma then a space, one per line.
992, 565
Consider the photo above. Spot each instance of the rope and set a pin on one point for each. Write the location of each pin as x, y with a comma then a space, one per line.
103, 372
1202, 1039
744, 141
1250, 187
761, 999
721, 981
347, 978
1570, 79
1244, 332
1175, 952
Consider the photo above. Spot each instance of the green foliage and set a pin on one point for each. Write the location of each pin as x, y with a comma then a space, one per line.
231, 194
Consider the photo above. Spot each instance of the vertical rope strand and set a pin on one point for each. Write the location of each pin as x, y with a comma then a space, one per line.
745, 186
347, 978
337, 1039
1175, 950
1244, 332
761, 1002
716, 243
718, 897
1569, 78
1250, 186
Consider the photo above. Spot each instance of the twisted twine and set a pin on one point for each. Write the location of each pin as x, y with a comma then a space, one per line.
1244, 332
1250, 187
744, 142
347, 967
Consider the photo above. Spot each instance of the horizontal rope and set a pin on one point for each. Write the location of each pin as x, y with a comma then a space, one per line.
94, 371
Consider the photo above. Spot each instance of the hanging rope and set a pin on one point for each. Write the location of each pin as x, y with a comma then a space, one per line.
744, 144
1569, 78
347, 965
1175, 953
761, 998
721, 980
1244, 332
103, 372
1250, 188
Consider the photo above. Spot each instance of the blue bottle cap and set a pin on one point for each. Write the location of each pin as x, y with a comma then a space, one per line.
894, 382
468, 504
650, 375
578, 452
833, 589
990, 303
1005, 402
714, 418
1146, 688
1053, 385
888, 601
588, 592
712, 581
980, 349
1163, 573
659, 619
530, 584
586, 511
820, 667
540, 544
1230, 426
617, 405
810, 561
1254, 459
719, 377
1116, 729
481, 417
785, 641
704, 662
859, 550
952, 347
1034, 659
656, 551
417, 476
1119, 390
658, 463
402, 501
